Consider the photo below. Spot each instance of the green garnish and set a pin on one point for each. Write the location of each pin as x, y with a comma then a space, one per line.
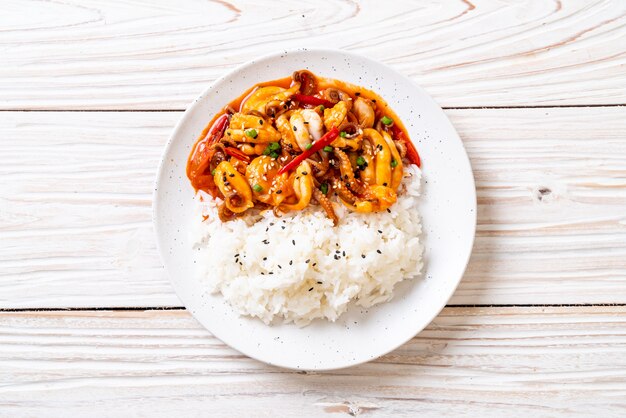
386, 121
257, 188
308, 146
360, 161
274, 154
274, 146
267, 151
252, 133
328, 148
213, 172
324, 188
394, 163
322, 108
343, 134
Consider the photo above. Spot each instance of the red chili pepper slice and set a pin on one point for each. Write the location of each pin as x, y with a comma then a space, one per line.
411, 152
202, 154
312, 100
329, 137
234, 152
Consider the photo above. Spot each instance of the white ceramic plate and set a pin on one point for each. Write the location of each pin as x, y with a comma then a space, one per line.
448, 208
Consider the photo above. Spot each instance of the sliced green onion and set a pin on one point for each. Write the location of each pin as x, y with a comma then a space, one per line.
274, 154
252, 133
324, 188
322, 108
360, 161
257, 188
394, 163
274, 146
308, 146
343, 134
386, 121
328, 148
267, 151
213, 172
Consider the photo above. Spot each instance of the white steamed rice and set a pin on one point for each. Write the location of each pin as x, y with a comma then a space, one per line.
309, 268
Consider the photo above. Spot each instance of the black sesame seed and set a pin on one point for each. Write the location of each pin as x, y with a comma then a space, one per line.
271, 272
343, 253
357, 93
380, 232
295, 128
319, 282
362, 255
264, 258
314, 264
231, 175
279, 266
310, 289
388, 211
385, 184
237, 255
283, 227
293, 241
379, 252
260, 121
304, 173
263, 274
290, 262
307, 261
279, 191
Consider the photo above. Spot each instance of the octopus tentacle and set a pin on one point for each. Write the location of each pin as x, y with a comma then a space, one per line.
342, 191
326, 205
347, 173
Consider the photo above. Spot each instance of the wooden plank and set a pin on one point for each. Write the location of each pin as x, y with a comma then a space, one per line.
97, 54
469, 361
75, 207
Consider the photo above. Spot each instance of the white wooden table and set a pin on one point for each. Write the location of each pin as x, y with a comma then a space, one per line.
89, 92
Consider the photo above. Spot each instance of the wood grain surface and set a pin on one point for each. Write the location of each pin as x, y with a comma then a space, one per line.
76, 190
75, 207
98, 54
514, 362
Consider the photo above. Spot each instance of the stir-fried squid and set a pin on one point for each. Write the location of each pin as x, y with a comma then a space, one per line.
299, 141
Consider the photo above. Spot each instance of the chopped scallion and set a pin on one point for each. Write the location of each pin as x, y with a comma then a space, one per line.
394, 163
343, 134
324, 188
274, 146
360, 161
328, 148
274, 154
308, 146
213, 172
257, 188
252, 133
386, 121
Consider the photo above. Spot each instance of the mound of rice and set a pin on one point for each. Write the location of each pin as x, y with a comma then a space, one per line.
300, 267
